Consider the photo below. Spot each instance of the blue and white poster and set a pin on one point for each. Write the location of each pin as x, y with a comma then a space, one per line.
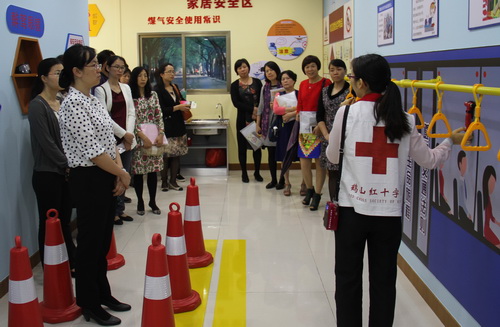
425, 19
385, 22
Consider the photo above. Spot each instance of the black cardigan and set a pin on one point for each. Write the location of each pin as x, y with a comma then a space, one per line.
173, 120
245, 108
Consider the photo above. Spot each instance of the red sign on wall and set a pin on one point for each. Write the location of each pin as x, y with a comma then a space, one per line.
218, 4
336, 26
187, 20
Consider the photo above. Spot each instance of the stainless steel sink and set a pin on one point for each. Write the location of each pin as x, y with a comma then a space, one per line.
214, 121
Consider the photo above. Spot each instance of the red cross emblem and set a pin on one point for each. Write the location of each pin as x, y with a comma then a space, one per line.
379, 150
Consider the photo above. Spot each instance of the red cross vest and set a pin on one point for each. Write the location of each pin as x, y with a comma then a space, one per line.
374, 167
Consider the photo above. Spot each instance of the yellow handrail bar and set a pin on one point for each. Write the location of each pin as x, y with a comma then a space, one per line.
431, 84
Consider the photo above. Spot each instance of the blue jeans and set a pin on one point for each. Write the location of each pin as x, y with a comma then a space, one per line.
126, 161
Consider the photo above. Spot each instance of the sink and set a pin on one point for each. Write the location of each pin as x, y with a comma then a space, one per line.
214, 121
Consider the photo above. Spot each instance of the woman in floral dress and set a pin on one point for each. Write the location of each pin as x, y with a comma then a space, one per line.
148, 111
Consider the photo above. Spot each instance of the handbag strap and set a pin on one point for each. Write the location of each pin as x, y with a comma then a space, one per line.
341, 150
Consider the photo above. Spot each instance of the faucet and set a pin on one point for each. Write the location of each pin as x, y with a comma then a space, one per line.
221, 116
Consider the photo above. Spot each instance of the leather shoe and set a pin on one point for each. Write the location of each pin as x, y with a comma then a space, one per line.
116, 305
101, 316
126, 199
124, 217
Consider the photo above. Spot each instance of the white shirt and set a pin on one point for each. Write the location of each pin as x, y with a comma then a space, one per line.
373, 171
86, 129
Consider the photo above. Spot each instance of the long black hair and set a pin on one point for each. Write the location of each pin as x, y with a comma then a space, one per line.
274, 66
44, 68
375, 71
76, 56
134, 87
161, 70
489, 171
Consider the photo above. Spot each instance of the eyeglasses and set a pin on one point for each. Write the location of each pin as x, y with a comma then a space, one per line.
96, 66
350, 76
119, 67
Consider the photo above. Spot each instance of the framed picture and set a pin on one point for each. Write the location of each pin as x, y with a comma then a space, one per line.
483, 13
425, 19
385, 22
201, 60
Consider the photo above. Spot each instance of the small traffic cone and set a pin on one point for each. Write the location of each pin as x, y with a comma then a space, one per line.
115, 259
196, 255
59, 303
24, 310
183, 297
157, 308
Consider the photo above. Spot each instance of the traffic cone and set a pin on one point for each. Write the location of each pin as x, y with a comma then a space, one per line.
183, 297
59, 303
196, 255
24, 310
115, 259
157, 308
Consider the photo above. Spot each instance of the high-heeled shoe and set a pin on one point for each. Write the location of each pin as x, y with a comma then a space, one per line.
101, 316
257, 176
315, 202
140, 208
288, 190
116, 305
309, 195
303, 189
154, 208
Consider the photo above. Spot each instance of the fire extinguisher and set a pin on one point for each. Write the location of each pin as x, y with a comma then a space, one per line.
469, 112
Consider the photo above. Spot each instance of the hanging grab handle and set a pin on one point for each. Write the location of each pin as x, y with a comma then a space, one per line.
414, 109
439, 116
476, 125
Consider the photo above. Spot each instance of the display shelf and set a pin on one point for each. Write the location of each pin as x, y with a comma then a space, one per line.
27, 52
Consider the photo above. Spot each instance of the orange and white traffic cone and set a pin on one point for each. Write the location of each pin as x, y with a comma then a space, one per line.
157, 308
24, 310
59, 303
115, 259
197, 256
183, 297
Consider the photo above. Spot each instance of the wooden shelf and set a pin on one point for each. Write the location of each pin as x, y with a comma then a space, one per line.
27, 52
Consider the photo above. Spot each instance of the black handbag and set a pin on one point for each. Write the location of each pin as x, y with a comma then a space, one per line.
331, 215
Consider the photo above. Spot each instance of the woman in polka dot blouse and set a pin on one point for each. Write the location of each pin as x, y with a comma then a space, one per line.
96, 177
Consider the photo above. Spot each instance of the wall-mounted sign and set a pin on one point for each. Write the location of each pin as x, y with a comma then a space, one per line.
184, 20
73, 39
96, 19
348, 20
385, 24
218, 4
336, 27
25, 22
425, 21
286, 39
483, 13
257, 69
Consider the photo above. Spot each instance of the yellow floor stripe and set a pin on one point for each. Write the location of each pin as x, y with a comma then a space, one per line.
200, 282
230, 303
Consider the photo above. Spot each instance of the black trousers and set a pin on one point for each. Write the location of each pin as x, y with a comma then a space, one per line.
383, 236
52, 192
95, 204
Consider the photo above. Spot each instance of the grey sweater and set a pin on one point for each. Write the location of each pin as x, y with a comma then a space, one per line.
45, 138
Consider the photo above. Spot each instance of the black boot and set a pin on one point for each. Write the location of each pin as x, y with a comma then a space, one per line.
309, 195
315, 202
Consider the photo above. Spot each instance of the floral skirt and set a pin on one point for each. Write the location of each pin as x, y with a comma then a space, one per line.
177, 146
309, 146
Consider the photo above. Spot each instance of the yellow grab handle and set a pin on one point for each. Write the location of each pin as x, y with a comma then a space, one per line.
438, 116
476, 126
498, 155
415, 110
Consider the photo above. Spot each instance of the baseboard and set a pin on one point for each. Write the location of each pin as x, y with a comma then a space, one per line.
439, 309
34, 260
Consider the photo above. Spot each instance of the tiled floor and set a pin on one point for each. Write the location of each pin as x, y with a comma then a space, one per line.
290, 261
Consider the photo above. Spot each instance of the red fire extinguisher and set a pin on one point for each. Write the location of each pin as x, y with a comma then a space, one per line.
469, 112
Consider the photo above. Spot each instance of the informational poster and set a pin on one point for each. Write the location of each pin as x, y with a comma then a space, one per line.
73, 39
336, 28
286, 39
425, 19
348, 20
257, 69
385, 28
483, 13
